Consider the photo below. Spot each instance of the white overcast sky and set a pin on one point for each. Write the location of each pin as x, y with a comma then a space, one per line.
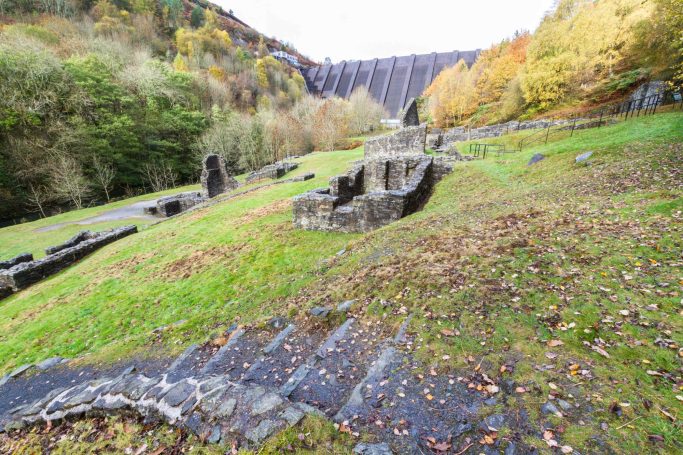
363, 29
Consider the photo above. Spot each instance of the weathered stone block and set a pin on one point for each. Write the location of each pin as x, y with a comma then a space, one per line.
178, 203
8, 264
272, 171
215, 178
410, 116
406, 141
304, 177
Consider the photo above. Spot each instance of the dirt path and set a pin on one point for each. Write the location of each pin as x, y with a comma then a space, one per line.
135, 210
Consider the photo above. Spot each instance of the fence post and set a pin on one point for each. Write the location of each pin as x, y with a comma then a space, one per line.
654, 110
547, 133
600, 121
573, 126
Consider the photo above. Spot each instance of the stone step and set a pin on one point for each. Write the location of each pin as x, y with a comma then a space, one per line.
243, 349
311, 360
375, 374
211, 407
293, 351
340, 363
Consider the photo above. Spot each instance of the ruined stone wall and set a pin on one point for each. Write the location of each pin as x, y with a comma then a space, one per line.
406, 141
393, 189
73, 241
178, 203
347, 186
26, 273
272, 171
25, 257
215, 178
460, 134
410, 116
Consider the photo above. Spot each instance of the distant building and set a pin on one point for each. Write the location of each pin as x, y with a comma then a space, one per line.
284, 56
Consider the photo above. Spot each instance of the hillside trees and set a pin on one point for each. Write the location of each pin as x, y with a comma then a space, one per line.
583, 51
114, 98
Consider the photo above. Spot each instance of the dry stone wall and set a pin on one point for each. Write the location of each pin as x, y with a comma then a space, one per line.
461, 134
406, 141
25, 274
272, 171
8, 264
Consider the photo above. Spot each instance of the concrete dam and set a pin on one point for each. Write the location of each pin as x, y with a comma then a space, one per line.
391, 81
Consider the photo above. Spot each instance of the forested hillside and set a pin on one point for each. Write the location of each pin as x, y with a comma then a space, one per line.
106, 99
584, 53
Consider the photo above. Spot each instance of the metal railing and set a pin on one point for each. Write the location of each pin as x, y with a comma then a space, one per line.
482, 149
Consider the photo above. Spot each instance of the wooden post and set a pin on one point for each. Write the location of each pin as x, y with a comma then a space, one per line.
547, 133
573, 126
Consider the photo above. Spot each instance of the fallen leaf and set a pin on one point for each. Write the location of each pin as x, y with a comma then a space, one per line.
600, 351
554, 343
442, 447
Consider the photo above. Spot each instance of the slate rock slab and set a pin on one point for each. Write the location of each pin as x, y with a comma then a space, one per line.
319, 311
535, 159
583, 158
372, 449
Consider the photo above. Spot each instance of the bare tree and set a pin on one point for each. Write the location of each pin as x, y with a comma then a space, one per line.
365, 114
160, 176
104, 174
38, 196
68, 180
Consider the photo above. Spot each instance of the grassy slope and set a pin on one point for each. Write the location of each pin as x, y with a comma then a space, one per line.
23, 238
205, 268
510, 256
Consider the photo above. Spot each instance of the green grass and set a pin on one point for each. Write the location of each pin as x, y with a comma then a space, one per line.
510, 255
26, 237
206, 267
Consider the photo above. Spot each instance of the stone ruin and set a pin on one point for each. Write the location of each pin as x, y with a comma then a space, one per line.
393, 181
25, 257
272, 171
406, 141
178, 203
409, 116
25, 272
215, 178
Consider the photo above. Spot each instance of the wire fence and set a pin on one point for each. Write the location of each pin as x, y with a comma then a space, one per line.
630, 108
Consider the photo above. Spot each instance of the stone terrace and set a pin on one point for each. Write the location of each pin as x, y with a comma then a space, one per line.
267, 378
